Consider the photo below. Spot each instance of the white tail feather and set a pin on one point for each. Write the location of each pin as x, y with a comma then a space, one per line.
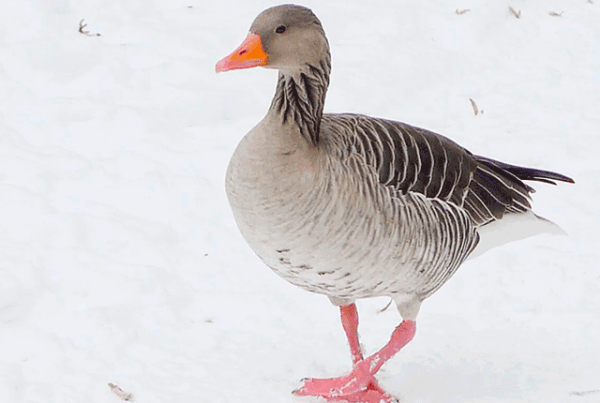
513, 227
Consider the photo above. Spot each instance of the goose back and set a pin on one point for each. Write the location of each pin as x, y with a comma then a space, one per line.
408, 159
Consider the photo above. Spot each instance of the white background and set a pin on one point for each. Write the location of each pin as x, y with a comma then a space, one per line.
119, 258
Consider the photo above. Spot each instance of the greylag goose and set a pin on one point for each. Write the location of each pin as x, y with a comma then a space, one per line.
351, 206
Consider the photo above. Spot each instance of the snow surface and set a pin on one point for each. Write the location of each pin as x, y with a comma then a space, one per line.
119, 258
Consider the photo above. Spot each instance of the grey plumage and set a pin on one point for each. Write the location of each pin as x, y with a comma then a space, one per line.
351, 206
361, 206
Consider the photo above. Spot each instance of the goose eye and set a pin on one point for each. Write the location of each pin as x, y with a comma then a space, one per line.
280, 29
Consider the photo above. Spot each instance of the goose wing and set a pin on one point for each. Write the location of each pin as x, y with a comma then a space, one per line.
409, 159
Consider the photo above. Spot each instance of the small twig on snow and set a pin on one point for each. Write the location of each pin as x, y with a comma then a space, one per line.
461, 12
584, 393
128, 397
474, 105
385, 307
554, 14
517, 14
87, 33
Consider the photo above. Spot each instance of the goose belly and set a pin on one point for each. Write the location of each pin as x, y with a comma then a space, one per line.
337, 238
319, 251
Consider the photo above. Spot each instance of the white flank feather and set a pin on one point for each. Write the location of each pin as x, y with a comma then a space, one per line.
513, 227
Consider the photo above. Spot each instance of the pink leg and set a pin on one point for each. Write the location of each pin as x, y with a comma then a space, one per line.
374, 392
360, 385
400, 338
350, 324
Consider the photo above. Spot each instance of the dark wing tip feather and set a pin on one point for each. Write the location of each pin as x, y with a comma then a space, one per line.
528, 174
546, 176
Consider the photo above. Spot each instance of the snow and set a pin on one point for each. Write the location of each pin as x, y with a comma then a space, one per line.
119, 258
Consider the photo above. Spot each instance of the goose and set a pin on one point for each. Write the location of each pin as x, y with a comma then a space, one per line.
352, 206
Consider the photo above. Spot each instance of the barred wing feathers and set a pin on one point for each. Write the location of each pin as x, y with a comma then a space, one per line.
410, 159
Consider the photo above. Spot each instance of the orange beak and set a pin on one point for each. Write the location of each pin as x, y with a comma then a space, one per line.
249, 54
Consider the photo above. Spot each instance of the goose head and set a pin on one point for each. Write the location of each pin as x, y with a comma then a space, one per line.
285, 38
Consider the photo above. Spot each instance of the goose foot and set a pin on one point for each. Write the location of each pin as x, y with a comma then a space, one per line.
358, 387
373, 393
